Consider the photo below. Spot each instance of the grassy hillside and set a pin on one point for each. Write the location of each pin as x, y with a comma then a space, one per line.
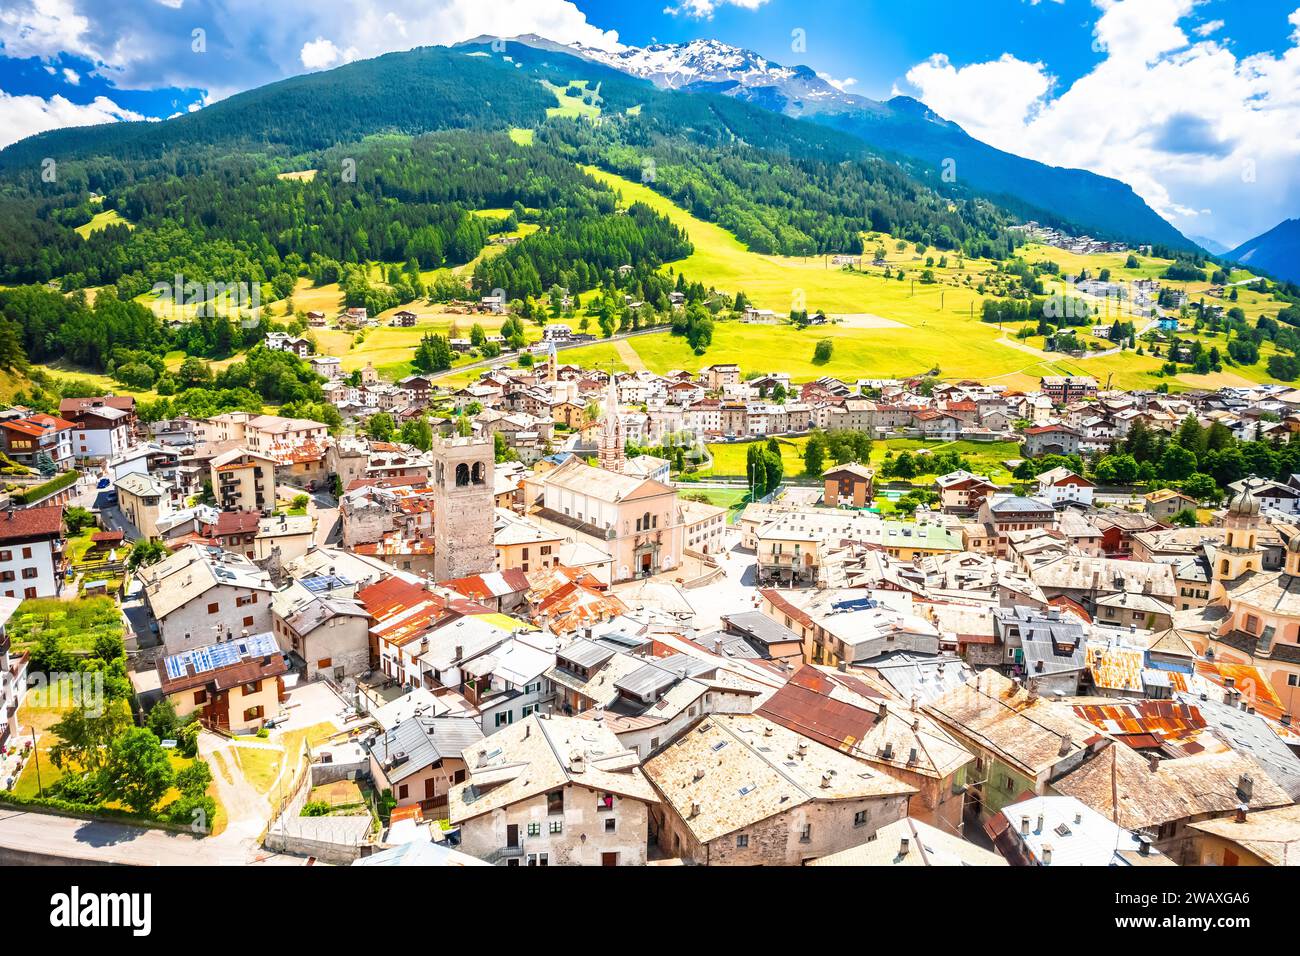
894, 328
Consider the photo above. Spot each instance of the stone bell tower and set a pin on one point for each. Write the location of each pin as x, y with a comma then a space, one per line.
1240, 552
463, 516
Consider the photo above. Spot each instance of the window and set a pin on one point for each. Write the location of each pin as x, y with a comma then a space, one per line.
606, 802
503, 718
248, 621
534, 829
610, 824
539, 859
253, 713
201, 696
29, 573
860, 818
402, 791
6, 555
555, 803
27, 552
805, 835
557, 826
742, 841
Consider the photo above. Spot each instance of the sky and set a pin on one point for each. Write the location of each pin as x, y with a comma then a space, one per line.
1194, 103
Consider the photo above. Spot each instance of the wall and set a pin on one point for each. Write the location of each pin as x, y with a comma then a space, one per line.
484, 836
193, 618
776, 841
45, 582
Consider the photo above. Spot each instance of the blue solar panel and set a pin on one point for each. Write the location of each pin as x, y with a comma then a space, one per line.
213, 656
854, 604
324, 582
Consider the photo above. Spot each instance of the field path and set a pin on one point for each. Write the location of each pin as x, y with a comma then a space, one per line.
629, 356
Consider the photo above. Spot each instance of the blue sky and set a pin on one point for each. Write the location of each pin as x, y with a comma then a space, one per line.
1195, 103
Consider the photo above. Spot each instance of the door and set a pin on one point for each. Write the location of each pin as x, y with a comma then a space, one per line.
609, 859
512, 835
645, 564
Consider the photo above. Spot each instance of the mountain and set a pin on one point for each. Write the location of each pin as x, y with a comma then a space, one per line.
1276, 252
1212, 246
902, 126
422, 133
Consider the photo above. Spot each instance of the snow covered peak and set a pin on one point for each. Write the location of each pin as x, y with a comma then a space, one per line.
674, 65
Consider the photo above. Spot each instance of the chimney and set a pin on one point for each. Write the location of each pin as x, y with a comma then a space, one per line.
1024, 826
802, 749
1153, 763
1047, 854
1065, 745
884, 709
695, 810
1039, 828
1246, 786
903, 846
1144, 845
826, 780
1241, 813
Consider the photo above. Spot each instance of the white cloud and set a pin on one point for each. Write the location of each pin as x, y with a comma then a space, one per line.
72, 76
842, 85
22, 116
1202, 136
704, 9
146, 44
321, 54
44, 28
995, 95
1206, 29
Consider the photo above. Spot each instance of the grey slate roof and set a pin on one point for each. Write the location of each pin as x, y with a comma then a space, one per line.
658, 674
424, 741
585, 653
758, 627
1250, 734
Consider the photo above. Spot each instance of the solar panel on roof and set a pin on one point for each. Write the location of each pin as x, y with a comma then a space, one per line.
213, 656
324, 582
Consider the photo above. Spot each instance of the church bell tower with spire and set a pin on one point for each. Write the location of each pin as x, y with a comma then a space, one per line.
611, 432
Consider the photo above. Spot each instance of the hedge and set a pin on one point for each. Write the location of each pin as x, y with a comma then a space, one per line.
45, 489
68, 808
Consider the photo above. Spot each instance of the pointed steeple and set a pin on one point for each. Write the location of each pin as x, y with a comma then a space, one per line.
611, 432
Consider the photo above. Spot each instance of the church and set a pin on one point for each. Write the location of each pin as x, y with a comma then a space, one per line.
637, 521
1253, 616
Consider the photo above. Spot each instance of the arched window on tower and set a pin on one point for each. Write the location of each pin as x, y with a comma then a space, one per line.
480, 473
462, 475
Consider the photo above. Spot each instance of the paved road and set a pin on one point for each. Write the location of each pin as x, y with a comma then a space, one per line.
27, 837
